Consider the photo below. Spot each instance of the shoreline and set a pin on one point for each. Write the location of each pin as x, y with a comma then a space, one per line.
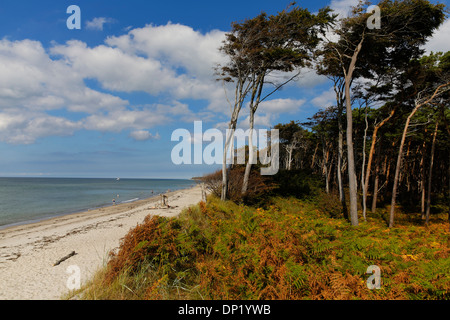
28, 251
82, 211
49, 214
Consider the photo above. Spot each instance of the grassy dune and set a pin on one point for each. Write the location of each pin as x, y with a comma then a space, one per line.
290, 249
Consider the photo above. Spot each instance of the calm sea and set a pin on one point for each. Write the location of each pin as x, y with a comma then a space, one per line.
24, 200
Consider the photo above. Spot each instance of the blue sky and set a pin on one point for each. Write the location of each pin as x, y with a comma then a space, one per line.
103, 101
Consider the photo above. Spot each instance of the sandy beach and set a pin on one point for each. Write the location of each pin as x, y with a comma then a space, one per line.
28, 252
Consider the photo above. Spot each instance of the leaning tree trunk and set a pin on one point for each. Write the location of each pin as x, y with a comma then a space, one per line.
369, 161
239, 97
338, 89
223, 195
397, 168
438, 91
257, 91
352, 184
248, 167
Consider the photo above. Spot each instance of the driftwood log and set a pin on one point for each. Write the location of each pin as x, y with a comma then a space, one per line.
65, 258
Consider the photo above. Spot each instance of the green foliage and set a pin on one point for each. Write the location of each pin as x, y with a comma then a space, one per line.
259, 187
297, 183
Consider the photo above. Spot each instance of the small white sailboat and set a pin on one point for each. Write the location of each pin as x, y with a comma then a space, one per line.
117, 179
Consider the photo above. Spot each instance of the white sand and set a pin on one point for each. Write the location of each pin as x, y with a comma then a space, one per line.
28, 252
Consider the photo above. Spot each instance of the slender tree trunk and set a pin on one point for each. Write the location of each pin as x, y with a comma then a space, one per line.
339, 169
339, 165
325, 167
339, 91
230, 134
422, 180
400, 153
289, 159
433, 147
370, 158
314, 156
330, 171
363, 165
289, 151
256, 92
377, 179
352, 184
398, 166
248, 167
239, 97
422, 198
375, 190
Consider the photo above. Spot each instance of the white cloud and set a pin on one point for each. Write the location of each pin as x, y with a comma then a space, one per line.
31, 79
170, 62
32, 84
143, 135
185, 60
265, 121
277, 106
122, 119
326, 99
24, 128
171, 59
176, 45
97, 23
114, 69
440, 41
309, 78
343, 7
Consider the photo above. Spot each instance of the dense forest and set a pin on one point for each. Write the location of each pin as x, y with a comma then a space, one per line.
386, 137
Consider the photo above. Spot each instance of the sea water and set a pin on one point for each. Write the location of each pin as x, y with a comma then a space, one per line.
24, 200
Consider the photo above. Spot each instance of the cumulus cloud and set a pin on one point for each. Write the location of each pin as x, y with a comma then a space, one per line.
172, 59
143, 135
124, 118
326, 99
32, 85
166, 61
173, 63
343, 7
98, 23
21, 128
277, 106
440, 39
177, 45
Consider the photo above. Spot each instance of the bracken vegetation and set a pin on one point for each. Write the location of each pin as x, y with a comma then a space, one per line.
290, 249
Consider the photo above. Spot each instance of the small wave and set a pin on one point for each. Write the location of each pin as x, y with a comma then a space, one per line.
130, 200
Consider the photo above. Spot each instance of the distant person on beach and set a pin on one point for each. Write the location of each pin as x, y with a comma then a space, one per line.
114, 202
